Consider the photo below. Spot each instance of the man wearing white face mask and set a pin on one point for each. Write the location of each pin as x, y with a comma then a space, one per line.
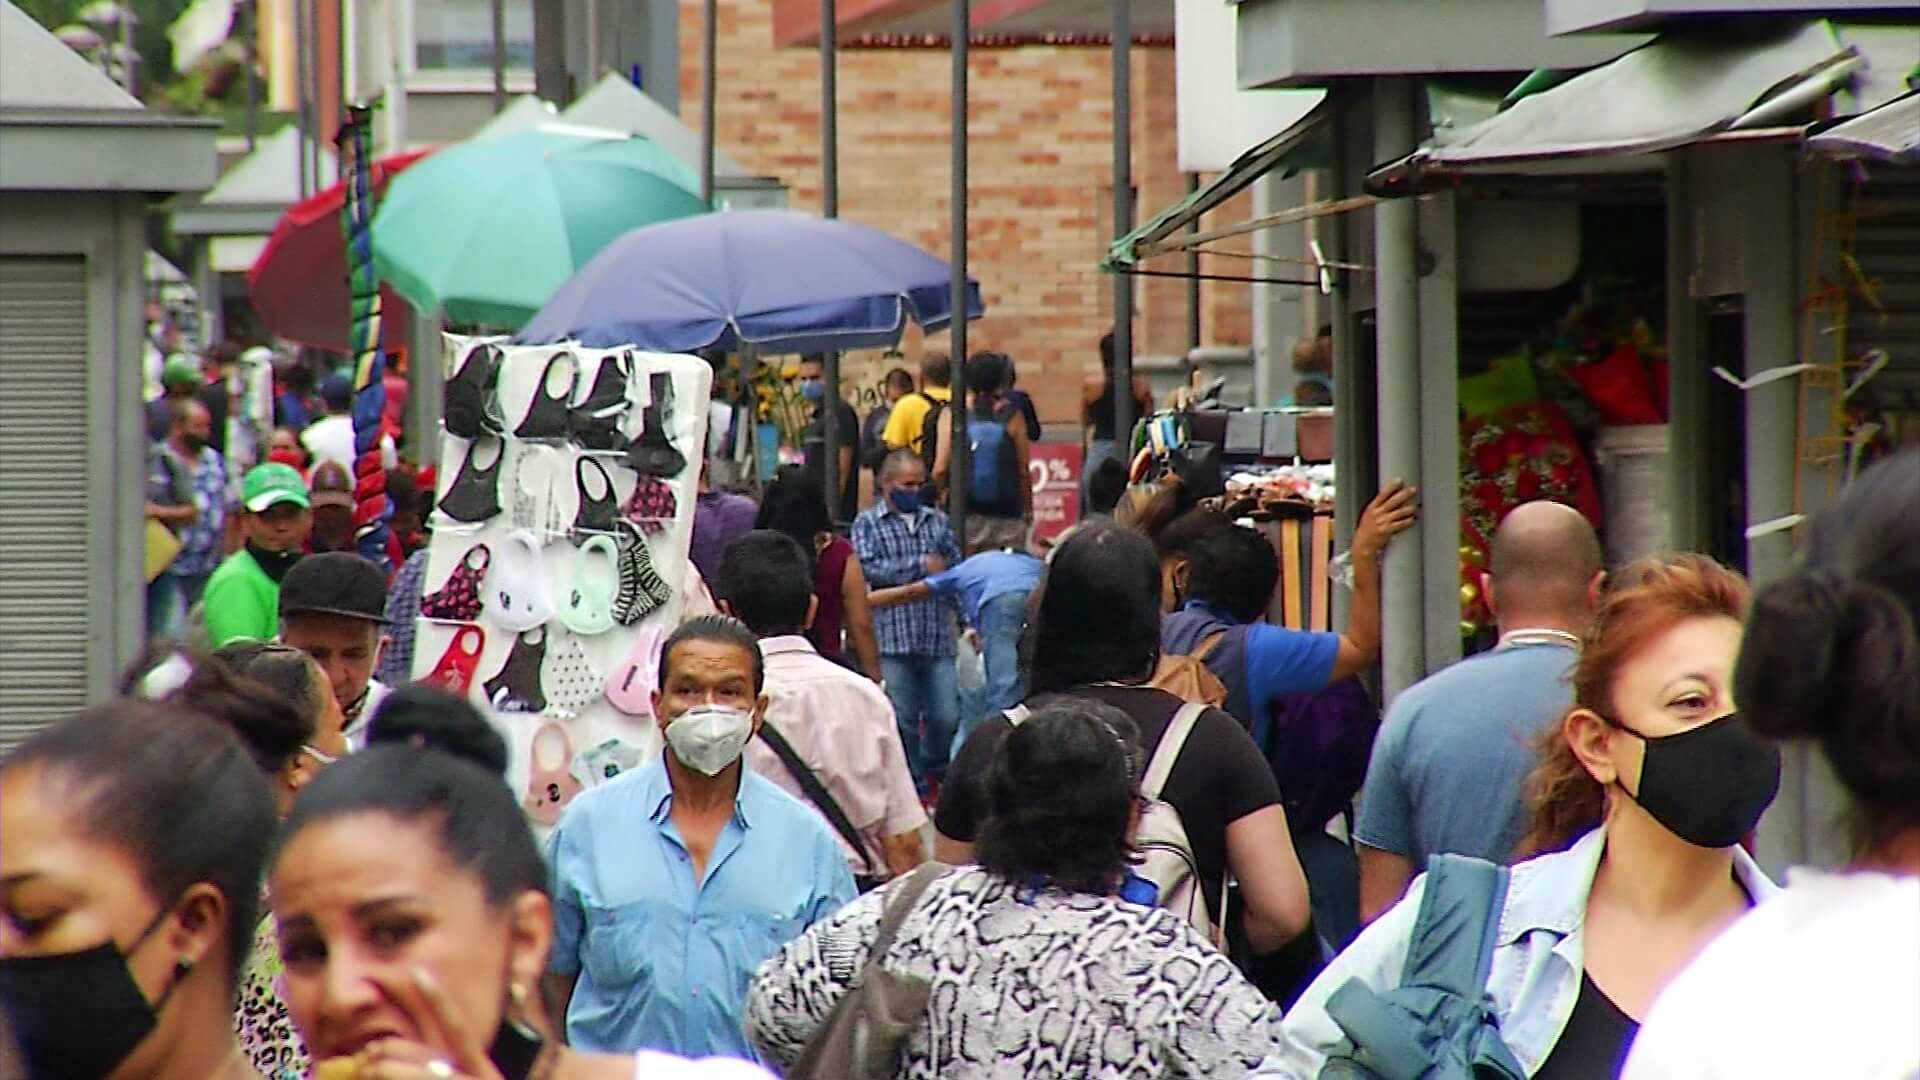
672, 883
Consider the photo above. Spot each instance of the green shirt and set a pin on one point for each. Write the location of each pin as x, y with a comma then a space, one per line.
240, 602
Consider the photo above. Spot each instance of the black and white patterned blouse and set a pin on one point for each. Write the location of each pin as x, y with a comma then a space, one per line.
1028, 983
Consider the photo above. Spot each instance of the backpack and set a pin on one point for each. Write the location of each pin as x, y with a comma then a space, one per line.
1188, 678
1438, 1024
929, 441
993, 465
1166, 854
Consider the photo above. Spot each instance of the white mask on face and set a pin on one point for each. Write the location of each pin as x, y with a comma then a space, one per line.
709, 737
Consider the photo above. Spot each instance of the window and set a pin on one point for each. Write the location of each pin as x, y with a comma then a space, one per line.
457, 35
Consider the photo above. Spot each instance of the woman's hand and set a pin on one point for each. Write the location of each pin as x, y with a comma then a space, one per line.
447, 1050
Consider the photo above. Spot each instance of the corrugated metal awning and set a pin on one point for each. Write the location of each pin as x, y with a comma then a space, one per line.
1888, 133
1672, 92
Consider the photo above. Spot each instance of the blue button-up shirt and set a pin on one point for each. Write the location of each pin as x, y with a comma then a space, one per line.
980, 578
893, 548
1538, 959
200, 539
663, 959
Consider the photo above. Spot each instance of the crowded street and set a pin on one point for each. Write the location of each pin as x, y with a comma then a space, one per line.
912, 539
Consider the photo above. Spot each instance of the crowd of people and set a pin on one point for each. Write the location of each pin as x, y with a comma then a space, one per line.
1168, 838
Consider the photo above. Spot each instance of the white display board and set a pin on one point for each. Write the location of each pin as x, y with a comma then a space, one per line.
539, 562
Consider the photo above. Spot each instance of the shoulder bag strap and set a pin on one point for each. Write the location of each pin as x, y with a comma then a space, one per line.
1451, 946
1207, 645
900, 905
1167, 751
816, 791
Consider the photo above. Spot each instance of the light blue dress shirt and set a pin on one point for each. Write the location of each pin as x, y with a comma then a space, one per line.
662, 959
1537, 961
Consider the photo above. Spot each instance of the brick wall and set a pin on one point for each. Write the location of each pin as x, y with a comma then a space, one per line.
1040, 166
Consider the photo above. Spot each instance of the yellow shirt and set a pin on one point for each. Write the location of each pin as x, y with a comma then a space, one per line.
908, 415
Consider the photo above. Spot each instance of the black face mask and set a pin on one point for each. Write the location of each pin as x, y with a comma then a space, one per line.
78, 1015
1709, 785
274, 564
516, 1050
194, 443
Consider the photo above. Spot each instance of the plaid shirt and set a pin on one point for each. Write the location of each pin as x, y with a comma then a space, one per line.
403, 611
893, 548
200, 539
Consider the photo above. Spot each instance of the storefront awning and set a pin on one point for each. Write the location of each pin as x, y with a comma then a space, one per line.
1888, 133
1301, 145
1672, 92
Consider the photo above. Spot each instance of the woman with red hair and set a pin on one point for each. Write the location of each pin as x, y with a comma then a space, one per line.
1642, 796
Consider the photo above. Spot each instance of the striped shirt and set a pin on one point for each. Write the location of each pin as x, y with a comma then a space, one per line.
893, 548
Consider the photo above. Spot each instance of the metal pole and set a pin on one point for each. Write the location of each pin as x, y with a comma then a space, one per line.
708, 31
303, 116
1193, 281
1122, 376
830, 207
593, 42
250, 46
499, 56
957, 485
1397, 281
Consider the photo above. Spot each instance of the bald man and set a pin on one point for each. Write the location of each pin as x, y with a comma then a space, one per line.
1452, 757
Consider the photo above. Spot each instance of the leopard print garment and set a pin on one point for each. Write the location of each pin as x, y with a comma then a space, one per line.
266, 1031
1028, 983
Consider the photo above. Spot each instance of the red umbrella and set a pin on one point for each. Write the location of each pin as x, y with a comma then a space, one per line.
299, 282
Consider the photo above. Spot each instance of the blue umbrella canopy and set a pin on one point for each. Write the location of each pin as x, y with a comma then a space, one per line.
779, 280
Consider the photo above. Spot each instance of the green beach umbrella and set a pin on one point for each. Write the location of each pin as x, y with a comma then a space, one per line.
488, 229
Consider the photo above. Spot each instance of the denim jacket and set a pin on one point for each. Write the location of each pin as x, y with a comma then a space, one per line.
1537, 962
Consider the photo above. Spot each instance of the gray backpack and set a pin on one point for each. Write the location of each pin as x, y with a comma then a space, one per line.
1438, 1024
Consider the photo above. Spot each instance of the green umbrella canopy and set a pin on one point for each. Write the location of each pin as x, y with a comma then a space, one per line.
488, 229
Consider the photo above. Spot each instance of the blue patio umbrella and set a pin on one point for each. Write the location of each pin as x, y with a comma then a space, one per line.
778, 280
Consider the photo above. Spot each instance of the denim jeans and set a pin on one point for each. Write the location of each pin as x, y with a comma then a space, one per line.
169, 598
926, 705
1001, 621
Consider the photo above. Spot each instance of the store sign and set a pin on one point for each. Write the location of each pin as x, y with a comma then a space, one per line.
1055, 469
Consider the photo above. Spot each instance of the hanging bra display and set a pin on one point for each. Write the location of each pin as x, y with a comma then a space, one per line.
588, 607
516, 593
474, 495
455, 670
652, 505
598, 514
470, 405
642, 590
653, 453
515, 688
573, 682
550, 783
546, 416
599, 421
459, 599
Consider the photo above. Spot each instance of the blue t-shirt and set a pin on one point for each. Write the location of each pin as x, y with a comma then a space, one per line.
1453, 755
980, 578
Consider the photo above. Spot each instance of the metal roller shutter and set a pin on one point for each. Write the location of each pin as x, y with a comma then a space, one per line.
43, 484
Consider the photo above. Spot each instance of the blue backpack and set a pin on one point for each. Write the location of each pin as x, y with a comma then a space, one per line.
993, 466
1438, 1024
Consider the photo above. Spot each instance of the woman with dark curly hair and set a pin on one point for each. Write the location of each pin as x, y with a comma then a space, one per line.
1040, 959
795, 504
1830, 970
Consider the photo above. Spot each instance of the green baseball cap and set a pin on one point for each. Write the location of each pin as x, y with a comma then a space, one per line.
270, 484
179, 371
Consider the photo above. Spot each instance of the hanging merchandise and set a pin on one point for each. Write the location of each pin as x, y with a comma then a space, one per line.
598, 514
455, 670
653, 453
546, 416
652, 505
631, 688
598, 422
642, 590
515, 688
459, 599
516, 593
530, 498
471, 402
572, 682
550, 786
474, 495
606, 761
588, 608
